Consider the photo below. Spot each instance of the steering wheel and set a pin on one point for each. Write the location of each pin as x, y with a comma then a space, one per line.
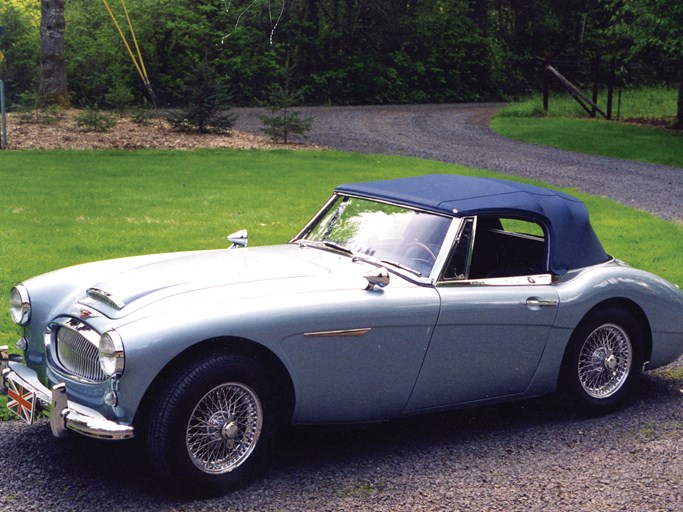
412, 245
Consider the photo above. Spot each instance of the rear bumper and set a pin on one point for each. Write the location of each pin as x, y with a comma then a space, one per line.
35, 400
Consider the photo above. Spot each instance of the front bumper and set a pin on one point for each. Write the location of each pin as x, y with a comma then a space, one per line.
34, 400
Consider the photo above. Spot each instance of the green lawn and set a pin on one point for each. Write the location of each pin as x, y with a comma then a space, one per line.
567, 126
597, 137
60, 208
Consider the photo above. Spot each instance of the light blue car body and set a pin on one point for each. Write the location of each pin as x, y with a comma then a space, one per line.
345, 351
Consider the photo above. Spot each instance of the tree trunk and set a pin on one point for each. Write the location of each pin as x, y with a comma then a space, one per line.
53, 86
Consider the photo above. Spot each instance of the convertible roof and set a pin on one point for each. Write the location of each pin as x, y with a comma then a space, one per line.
573, 243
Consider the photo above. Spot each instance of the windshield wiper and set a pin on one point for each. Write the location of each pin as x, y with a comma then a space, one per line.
402, 267
384, 261
330, 245
356, 256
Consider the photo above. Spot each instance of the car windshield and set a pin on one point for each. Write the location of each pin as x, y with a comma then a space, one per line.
392, 234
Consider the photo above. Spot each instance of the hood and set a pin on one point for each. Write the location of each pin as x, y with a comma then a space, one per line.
186, 272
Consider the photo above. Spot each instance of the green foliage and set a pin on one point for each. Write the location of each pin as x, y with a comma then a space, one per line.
652, 24
207, 99
20, 45
94, 120
47, 116
5, 415
119, 97
282, 122
350, 52
649, 102
142, 115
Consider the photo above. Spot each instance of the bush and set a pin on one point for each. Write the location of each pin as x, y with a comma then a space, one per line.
142, 116
119, 98
94, 120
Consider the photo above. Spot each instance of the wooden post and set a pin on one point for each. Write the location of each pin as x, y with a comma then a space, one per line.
596, 82
610, 86
546, 82
579, 96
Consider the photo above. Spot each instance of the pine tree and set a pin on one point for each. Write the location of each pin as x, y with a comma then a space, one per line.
282, 121
207, 98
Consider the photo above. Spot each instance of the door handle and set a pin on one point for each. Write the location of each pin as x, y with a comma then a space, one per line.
536, 303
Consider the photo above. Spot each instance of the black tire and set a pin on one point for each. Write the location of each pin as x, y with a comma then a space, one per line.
603, 361
210, 428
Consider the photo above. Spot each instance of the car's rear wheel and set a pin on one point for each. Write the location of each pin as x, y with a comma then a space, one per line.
603, 361
209, 430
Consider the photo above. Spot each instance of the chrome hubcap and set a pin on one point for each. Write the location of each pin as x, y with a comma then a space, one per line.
224, 428
611, 362
605, 361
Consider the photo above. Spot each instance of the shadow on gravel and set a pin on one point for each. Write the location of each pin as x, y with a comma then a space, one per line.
90, 474
313, 447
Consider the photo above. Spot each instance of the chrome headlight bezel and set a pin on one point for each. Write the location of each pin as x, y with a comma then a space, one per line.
111, 354
20, 305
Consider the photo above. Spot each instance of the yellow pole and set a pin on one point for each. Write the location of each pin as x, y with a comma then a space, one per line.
137, 48
123, 38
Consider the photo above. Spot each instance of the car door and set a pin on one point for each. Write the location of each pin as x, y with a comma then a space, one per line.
487, 343
491, 331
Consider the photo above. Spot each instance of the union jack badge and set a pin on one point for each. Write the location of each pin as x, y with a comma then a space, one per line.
21, 401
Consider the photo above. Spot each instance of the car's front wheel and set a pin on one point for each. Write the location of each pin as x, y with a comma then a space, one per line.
603, 361
209, 429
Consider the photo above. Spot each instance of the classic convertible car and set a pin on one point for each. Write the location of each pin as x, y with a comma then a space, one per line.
399, 297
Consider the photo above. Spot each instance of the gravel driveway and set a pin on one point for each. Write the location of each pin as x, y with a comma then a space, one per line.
460, 134
524, 456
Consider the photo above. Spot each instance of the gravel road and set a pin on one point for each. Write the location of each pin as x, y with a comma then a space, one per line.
460, 134
525, 456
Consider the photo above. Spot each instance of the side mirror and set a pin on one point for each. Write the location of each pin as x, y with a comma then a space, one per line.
377, 277
238, 239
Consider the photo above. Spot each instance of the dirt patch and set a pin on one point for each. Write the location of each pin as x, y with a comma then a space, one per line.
59, 130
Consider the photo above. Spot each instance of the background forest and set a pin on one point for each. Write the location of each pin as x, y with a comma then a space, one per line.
346, 51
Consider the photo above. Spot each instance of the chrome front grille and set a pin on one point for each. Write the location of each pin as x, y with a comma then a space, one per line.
76, 353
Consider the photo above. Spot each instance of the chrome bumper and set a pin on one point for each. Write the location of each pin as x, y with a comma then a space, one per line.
64, 416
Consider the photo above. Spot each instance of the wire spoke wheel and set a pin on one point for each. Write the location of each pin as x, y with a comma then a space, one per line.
224, 428
605, 361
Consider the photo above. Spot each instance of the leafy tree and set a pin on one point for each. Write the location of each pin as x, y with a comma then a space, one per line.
656, 24
20, 45
345, 51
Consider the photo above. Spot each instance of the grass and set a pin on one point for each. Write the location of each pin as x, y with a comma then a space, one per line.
566, 126
59, 208
651, 102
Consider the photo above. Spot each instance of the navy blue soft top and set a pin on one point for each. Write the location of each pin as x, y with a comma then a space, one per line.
572, 241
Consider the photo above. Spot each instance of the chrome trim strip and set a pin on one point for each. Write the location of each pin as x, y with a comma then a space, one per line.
107, 298
345, 333
532, 280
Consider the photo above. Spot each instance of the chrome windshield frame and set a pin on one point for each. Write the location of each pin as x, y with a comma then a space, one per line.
441, 257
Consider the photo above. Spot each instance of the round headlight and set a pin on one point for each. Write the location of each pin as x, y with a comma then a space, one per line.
20, 305
111, 354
